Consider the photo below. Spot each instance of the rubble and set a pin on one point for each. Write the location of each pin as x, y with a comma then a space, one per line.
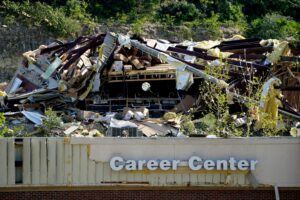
132, 87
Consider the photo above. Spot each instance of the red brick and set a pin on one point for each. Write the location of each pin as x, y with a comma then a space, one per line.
152, 195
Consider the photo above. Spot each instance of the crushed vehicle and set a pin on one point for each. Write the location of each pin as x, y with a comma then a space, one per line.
116, 85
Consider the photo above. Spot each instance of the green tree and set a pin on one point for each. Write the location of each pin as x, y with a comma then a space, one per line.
181, 11
275, 26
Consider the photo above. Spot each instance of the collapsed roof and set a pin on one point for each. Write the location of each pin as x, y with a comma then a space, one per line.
108, 72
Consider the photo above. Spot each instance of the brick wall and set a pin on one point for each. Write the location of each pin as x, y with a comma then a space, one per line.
152, 195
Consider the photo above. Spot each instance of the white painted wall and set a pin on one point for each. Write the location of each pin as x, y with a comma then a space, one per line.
85, 161
279, 158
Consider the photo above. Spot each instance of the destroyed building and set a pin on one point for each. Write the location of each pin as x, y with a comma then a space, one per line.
135, 86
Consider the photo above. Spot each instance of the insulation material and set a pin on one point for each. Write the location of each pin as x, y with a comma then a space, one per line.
281, 48
269, 103
217, 53
207, 44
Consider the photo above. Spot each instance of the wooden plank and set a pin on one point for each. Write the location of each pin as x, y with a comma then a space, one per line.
3, 161
11, 169
91, 172
59, 161
51, 147
43, 163
75, 163
99, 172
68, 164
35, 161
83, 165
26, 161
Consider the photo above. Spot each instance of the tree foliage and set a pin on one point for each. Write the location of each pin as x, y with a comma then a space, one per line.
275, 26
67, 17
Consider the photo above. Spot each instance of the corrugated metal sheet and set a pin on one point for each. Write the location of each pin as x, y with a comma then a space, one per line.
50, 161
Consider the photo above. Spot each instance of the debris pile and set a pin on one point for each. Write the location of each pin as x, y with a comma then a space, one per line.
114, 85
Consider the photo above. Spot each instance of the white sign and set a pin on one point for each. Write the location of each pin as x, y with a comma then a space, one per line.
194, 163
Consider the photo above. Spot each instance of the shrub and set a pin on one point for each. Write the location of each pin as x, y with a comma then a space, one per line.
213, 26
3, 127
275, 26
181, 10
42, 14
51, 121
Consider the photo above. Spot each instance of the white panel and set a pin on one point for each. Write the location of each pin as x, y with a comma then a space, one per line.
241, 179
209, 178
99, 172
170, 179
75, 163
35, 161
68, 164
193, 179
60, 161
201, 179
130, 177
152, 179
222, 178
26, 161
11, 169
185, 178
83, 164
106, 172
122, 176
235, 179
91, 172
3, 161
44, 160
138, 177
247, 181
144, 178
162, 179
177, 179
217, 179
115, 175
51, 161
